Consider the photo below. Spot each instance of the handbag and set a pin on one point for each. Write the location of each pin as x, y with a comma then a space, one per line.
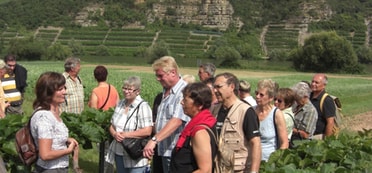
134, 146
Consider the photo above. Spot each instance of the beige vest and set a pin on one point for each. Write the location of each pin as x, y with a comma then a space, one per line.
233, 154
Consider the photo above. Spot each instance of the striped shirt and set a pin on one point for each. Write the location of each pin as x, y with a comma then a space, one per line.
74, 95
170, 107
12, 95
120, 118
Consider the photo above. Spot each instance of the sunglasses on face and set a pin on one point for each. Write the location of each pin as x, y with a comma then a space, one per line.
278, 100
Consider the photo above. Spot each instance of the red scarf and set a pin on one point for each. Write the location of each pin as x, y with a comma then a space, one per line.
204, 117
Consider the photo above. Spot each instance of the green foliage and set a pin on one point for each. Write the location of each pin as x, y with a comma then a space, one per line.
159, 49
90, 126
57, 52
122, 14
76, 48
227, 57
342, 154
8, 128
102, 50
326, 52
278, 55
364, 55
28, 48
39, 13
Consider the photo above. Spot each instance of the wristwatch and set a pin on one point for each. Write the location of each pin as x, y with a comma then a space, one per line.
154, 139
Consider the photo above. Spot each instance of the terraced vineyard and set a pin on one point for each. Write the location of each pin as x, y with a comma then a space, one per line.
9, 34
278, 36
124, 42
185, 42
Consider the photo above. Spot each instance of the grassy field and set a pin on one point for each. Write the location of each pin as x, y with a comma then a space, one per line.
354, 91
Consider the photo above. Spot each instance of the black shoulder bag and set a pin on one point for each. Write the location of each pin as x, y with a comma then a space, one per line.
108, 95
134, 146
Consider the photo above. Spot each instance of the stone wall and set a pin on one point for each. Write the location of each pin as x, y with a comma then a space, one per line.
208, 13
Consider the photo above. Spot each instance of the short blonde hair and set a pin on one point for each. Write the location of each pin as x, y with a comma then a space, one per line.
244, 86
189, 78
166, 63
2, 64
268, 84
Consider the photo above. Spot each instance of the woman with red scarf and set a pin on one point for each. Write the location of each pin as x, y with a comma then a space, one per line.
196, 147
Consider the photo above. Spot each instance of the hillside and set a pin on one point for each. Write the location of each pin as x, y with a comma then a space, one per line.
190, 28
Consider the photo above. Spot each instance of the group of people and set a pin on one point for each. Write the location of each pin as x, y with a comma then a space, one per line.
12, 86
211, 125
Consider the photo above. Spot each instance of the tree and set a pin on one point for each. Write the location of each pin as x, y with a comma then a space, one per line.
364, 54
159, 49
76, 47
326, 52
57, 52
28, 48
227, 57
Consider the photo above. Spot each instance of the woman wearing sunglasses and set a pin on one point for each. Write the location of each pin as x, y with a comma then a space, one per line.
272, 124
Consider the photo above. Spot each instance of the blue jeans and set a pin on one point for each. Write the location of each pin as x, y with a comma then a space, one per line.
166, 163
119, 161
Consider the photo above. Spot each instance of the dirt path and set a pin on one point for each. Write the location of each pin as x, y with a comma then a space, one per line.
358, 122
354, 123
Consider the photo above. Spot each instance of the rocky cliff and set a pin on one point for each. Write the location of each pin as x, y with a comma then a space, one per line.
208, 13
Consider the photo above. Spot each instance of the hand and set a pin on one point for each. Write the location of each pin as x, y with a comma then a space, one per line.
119, 136
148, 151
72, 145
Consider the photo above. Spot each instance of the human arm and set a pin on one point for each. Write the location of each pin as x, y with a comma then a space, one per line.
281, 129
329, 113
255, 151
116, 135
329, 126
252, 135
93, 101
47, 153
140, 133
306, 121
202, 151
166, 131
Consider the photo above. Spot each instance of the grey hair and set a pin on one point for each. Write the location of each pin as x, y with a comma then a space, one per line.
302, 89
230, 79
133, 81
70, 63
208, 68
268, 84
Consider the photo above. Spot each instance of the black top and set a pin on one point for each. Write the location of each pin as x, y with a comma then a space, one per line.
329, 110
20, 78
183, 159
250, 124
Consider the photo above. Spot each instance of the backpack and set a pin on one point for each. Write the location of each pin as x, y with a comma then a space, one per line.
338, 116
25, 145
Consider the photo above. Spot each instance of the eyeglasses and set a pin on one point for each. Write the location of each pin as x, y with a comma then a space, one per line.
219, 86
278, 100
259, 94
129, 89
11, 65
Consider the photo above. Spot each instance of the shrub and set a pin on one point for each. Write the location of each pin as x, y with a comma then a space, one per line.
28, 48
57, 52
326, 52
342, 154
364, 54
